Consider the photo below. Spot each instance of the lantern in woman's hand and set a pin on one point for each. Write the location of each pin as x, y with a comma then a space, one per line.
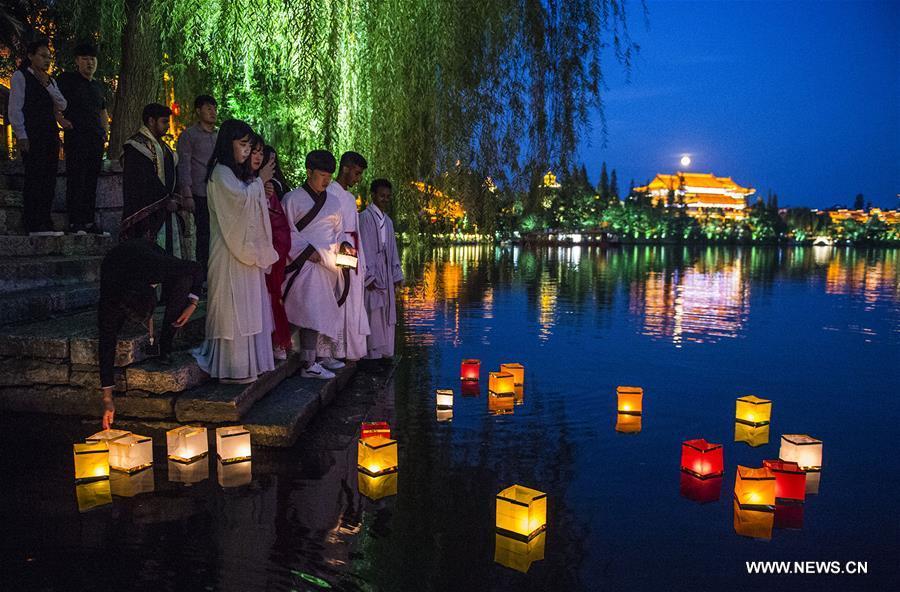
753, 411
702, 459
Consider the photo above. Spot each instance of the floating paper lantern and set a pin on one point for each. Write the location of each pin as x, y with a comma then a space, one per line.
501, 403
193, 472
804, 450
470, 370
234, 474
701, 458
628, 424
517, 554
750, 435
91, 461
790, 480
345, 260
813, 479
521, 512
753, 411
186, 444
789, 516
376, 487
753, 523
501, 382
131, 453
377, 455
699, 490
132, 484
107, 436
233, 444
754, 488
93, 495
369, 429
517, 371
444, 398
470, 388
630, 399
444, 414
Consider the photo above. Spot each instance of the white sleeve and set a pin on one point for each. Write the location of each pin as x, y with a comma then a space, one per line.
59, 101
16, 101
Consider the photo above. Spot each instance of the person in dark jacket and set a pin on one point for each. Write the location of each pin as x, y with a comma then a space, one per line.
129, 275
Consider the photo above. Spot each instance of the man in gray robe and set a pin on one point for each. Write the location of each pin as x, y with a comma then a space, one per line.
383, 273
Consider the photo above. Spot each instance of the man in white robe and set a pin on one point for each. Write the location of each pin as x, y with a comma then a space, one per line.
353, 325
311, 275
383, 272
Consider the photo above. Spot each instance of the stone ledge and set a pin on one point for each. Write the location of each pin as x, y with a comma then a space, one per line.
41, 303
153, 377
22, 273
25, 372
69, 400
69, 244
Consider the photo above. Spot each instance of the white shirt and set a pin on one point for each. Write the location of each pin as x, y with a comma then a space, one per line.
17, 101
379, 218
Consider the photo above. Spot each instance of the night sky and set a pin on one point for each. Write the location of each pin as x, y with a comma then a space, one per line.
802, 98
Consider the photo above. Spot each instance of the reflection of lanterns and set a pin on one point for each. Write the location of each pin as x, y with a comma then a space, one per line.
753, 411
444, 398
444, 414
517, 554
132, 484
699, 490
501, 403
369, 429
376, 455
234, 474
754, 488
517, 371
91, 461
753, 523
501, 382
93, 495
131, 453
750, 435
630, 399
790, 480
628, 424
233, 444
813, 478
193, 472
376, 487
470, 370
520, 394
804, 450
789, 516
187, 443
701, 458
470, 388
521, 512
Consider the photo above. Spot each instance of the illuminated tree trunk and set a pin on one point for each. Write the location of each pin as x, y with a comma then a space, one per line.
139, 73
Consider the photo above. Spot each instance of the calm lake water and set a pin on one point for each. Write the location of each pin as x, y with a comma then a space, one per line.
816, 330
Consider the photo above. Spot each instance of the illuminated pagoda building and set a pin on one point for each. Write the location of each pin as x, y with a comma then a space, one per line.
699, 193
550, 181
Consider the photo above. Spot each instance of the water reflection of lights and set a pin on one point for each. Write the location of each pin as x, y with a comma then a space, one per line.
234, 474
132, 484
377, 487
752, 523
516, 554
547, 303
188, 473
93, 495
700, 490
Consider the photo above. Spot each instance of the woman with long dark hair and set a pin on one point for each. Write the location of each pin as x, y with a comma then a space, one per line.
238, 345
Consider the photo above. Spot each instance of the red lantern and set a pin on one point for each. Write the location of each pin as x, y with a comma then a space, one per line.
699, 490
702, 459
370, 429
470, 370
790, 480
789, 516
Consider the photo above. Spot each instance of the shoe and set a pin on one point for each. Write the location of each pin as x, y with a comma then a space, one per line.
331, 363
316, 371
280, 354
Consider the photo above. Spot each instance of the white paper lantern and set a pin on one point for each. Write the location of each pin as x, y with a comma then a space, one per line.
802, 449
444, 398
131, 453
187, 443
233, 444
107, 436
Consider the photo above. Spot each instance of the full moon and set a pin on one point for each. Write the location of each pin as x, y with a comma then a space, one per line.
685, 161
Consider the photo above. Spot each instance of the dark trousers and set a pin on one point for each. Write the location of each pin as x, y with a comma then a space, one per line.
84, 158
201, 220
41, 165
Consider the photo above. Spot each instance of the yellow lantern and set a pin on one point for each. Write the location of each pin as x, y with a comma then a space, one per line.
754, 488
628, 424
501, 382
376, 487
93, 495
750, 435
376, 455
444, 414
107, 436
194, 472
501, 403
516, 554
131, 453
187, 443
517, 371
233, 444
91, 461
802, 449
753, 411
132, 484
521, 512
753, 523
630, 399
444, 398
234, 474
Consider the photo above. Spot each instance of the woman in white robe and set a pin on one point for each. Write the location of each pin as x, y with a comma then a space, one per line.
238, 345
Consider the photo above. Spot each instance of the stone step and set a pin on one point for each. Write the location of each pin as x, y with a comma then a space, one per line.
280, 416
214, 402
24, 273
152, 377
72, 400
39, 304
69, 244
11, 198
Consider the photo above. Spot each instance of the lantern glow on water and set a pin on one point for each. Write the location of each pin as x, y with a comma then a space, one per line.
131, 453
470, 370
753, 411
790, 480
750, 435
444, 398
521, 512
471, 388
813, 479
233, 444
789, 516
187, 443
699, 490
517, 554
517, 371
627, 423
802, 449
501, 403
193, 472
702, 459
501, 383
376, 455
91, 461
755, 488
443, 415
234, 474
520, 394
630, 399
93, 495
376, 487
369, 429
132, 484
753, 523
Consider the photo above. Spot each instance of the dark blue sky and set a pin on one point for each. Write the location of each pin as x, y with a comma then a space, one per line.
802, 98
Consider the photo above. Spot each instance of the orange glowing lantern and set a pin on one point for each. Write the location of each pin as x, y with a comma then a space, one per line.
369, 429
517, 554
752, 436
630, 399
790, 480
187, 444
376, 487
501, 382
756, 524
754, 488
517, 371
628, 424
376, 455
699, 490
753, 411
804, 450
91, 461
501, 403
470, 370
702, 459
521, 512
